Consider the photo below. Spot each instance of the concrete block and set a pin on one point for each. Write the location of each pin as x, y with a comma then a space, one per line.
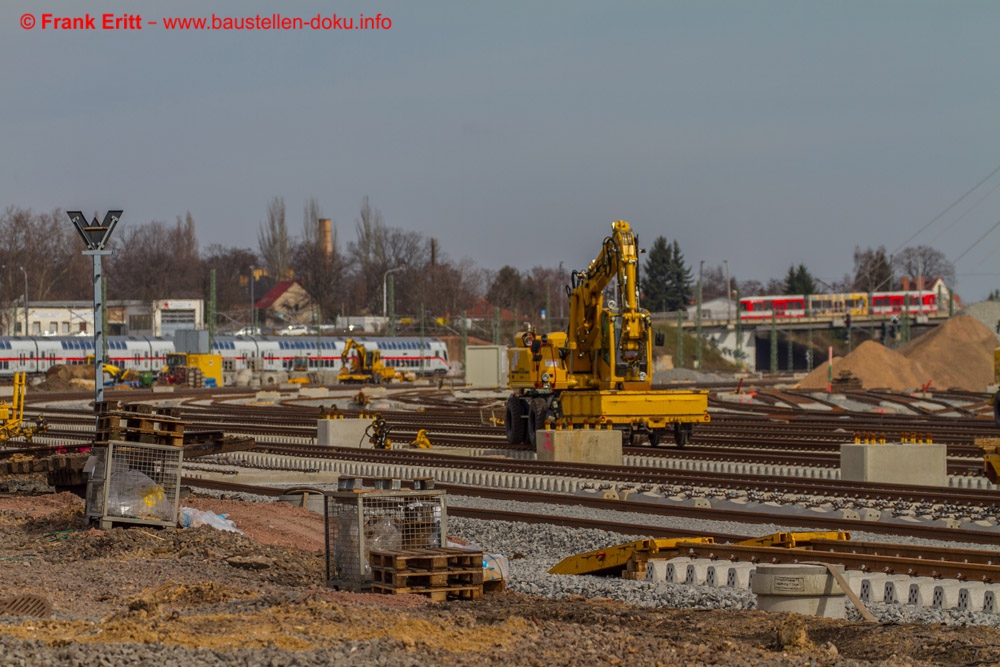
738, 575
873, 587
677, 570
697, 571
580, 446
990, 605
800, 589
914, 464
343, 433
167, 389
268, 396
971, 596
921, 592
946, 594
897, 589
656, 570
313, 392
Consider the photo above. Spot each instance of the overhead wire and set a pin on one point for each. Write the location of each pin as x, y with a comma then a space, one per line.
945, 211
967, 212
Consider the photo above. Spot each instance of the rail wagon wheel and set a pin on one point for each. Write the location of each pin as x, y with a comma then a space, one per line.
654, 437
682, 434
996, 408
536, 420
514, 421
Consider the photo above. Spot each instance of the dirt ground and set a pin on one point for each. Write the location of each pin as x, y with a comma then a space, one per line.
201, 587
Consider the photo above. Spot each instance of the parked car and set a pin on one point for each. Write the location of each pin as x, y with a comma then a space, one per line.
295, 330
248, 331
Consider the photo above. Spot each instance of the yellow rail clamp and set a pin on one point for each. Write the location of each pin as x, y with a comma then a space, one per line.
613, 560
793, 540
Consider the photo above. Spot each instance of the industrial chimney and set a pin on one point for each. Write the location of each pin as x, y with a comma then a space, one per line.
326, 236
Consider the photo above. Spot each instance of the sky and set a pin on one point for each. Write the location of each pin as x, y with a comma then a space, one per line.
762, 134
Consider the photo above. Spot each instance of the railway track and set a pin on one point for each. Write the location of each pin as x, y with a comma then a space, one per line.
961, 563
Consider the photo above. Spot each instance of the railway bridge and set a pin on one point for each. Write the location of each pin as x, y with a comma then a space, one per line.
798, 338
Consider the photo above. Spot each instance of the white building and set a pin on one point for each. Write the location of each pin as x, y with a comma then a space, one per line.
134, 318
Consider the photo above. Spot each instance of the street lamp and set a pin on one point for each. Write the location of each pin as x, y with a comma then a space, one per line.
25, 299
385, 307
253, 314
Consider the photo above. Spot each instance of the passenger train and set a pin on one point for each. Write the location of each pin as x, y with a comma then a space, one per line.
36, 354
756, 308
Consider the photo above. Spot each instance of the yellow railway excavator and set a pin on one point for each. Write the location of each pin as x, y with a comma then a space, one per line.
12, 415
598, 373
363, 366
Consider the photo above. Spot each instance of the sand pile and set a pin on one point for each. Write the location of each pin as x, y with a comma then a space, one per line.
61, 377
957, 355
876, 366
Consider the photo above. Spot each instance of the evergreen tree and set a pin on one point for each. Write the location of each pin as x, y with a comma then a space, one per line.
799, 281
679, 285
656, 277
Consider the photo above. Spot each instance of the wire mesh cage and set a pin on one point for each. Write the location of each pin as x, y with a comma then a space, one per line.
363, 520
134, 482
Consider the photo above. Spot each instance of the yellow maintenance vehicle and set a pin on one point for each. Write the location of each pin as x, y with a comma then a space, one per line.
598, 373
362, 366
12, 415
192, 370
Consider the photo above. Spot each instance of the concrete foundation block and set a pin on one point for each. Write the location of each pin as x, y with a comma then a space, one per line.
580, 446
168, 389
914, 464
677, 570
873, 587
800, 589
268, 396
697, 571
897, 589
921, 593
971, 596
656, 570
738, 575
343, 433
313, 392
946, 594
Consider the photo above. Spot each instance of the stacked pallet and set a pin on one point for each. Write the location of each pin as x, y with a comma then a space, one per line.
440, 574
139, 423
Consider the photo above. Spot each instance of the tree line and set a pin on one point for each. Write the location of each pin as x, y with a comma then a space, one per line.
160, 260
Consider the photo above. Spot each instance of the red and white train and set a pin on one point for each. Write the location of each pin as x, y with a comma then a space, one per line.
759, 308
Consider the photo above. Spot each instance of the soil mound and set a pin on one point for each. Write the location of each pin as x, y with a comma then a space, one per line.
957, 354
876, 366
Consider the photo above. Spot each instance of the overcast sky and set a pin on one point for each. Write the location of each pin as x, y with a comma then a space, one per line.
762, 133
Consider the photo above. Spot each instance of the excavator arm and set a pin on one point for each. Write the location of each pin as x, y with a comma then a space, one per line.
618, 259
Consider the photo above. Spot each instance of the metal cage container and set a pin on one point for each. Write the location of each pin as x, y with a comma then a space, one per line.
133, 482
363, 520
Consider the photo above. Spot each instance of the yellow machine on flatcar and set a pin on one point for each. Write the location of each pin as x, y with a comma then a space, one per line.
598, 373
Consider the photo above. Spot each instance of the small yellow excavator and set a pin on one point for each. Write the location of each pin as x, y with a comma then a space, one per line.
362, 366
12, 415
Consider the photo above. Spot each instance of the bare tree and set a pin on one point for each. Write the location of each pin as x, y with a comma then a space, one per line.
924, 261
232, 288
273, 242
872, 270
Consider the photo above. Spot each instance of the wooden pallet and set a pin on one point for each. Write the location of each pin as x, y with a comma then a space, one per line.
439, 574
141, 423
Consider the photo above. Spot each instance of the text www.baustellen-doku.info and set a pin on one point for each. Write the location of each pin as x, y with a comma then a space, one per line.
87, 21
